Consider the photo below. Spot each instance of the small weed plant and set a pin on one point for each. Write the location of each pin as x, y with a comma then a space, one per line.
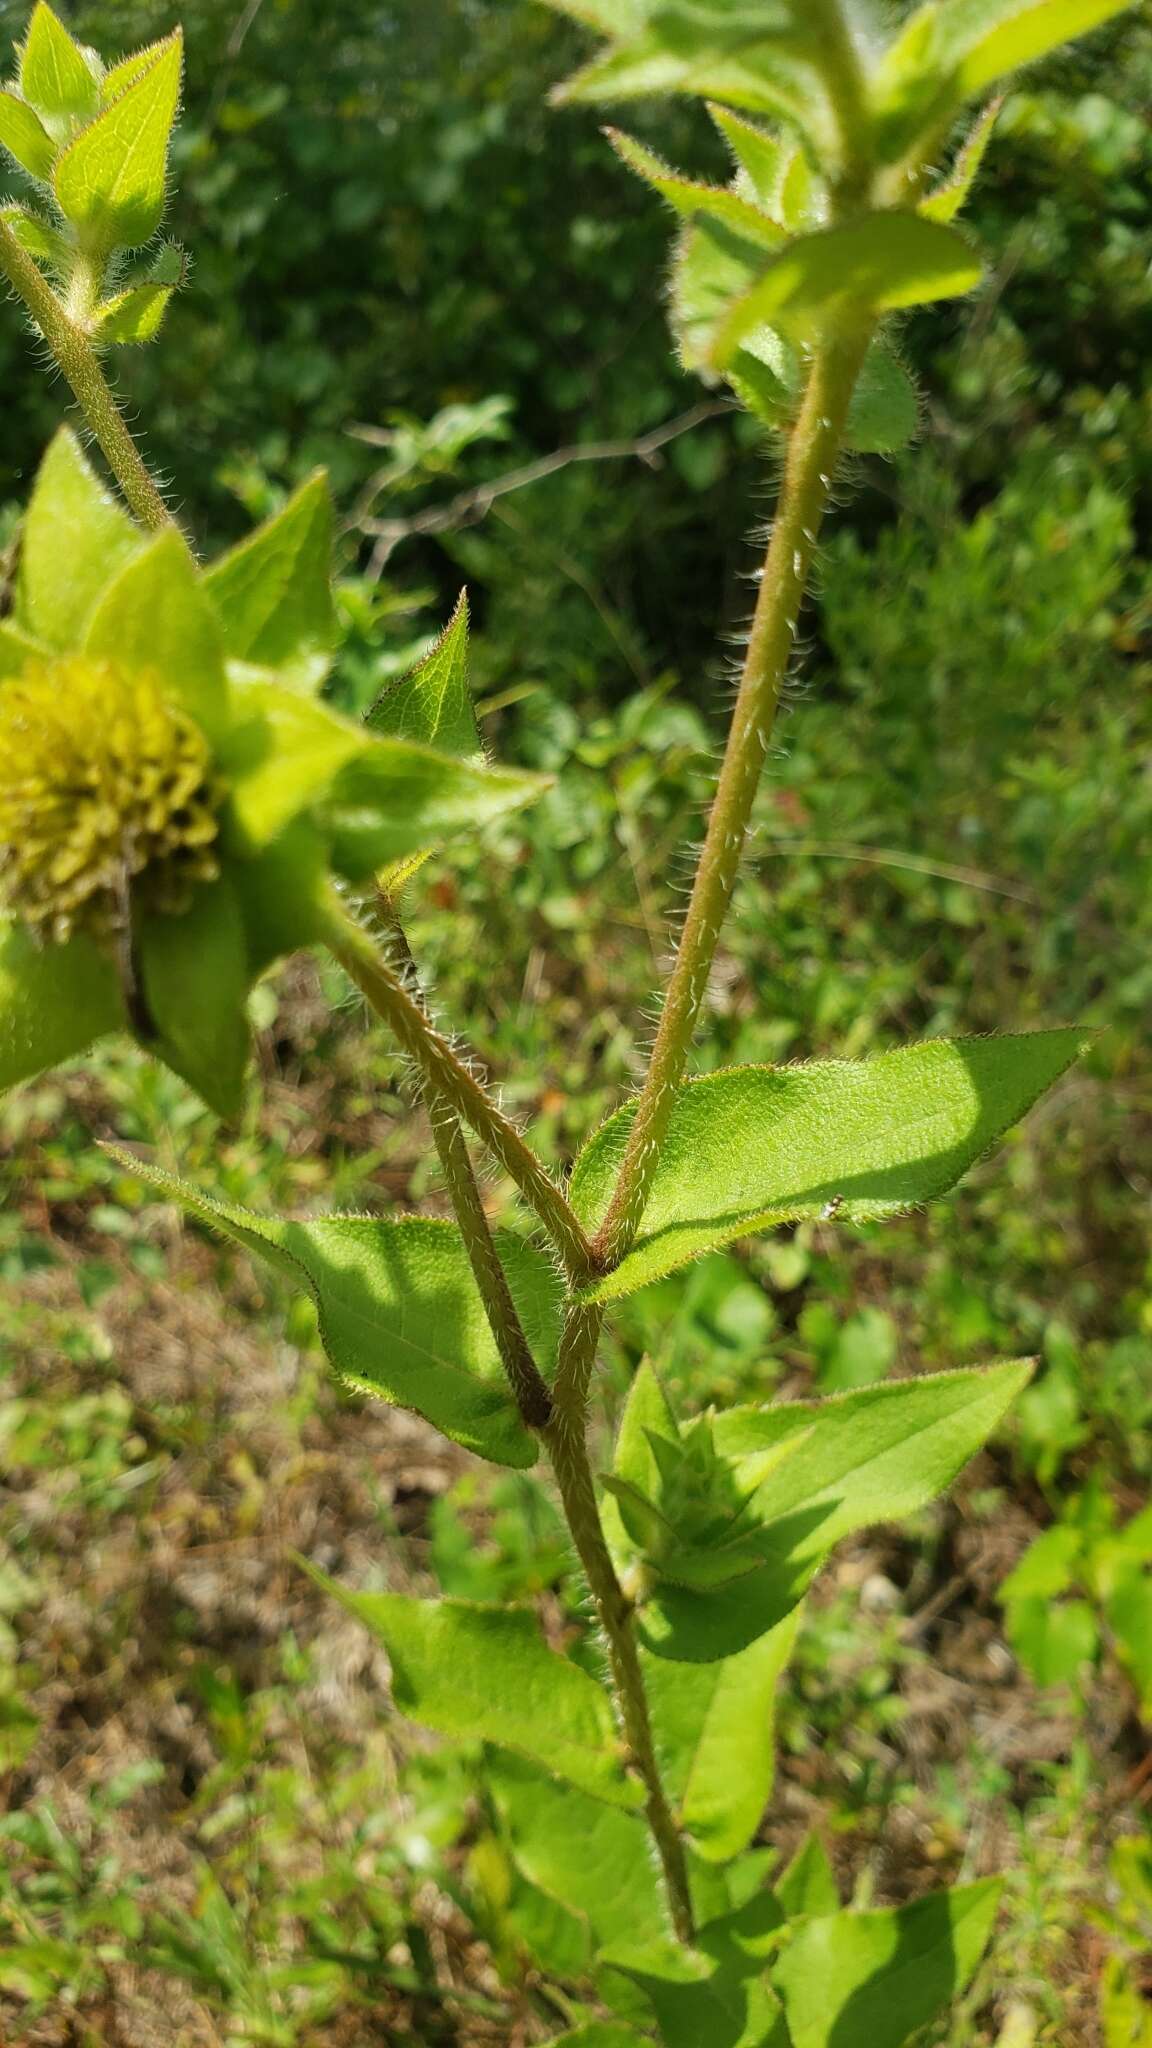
181, 807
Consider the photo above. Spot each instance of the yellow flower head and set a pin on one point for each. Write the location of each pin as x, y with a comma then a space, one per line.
106, 796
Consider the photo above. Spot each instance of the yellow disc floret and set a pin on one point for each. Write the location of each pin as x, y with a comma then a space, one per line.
107, 798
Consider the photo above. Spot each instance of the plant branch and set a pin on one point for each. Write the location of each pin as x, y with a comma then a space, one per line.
468, 507
532, 1396
79, 364
565, 1440
813, 451
450, 1078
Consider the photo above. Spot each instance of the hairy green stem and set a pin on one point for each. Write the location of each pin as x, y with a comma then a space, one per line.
447, 1074
532, 1396
565, 1440
813, 450
77, 360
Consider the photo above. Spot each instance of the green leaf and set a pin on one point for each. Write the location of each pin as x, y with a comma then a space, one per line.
54, 1000
282, 755
135, 315
880, 1977
129, 69
17, 649
394, 799
693, 199
700, 2002
24, 136
195, 979
1129, 1611
111, 182
592, 1857
760, 155
880, 261
713, 268
273, 591
486, 1674
876, 1455
952, 196
76, 536
282, 894
885, 410
154, 615
979, 41
750, 1147
808, 1888
704, 1718
400, 1314
433, 705
1054, 1639
38, 238
56, 76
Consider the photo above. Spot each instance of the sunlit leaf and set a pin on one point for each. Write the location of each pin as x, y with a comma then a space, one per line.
692, 199
433, 705
56, 75
952, 196
486, 1674
273, 591
111, 182
400, 1313
136, 315
24, 136
38, 238
75, 538
749, 1147
880, 1977
154, 615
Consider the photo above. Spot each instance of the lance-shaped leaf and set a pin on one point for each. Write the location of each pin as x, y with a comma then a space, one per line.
57, 76
433, 705
692, 199
875, 1455
879, 262
154, 615
128, 70
749, 1147
978, 41
880, 1977
400, 1313
39, 238
135, 315
111, 182
274, 590
24, 136
195, 978
952, 196
713, 1727
72, 518
485, 1674
54, 1001
714, 267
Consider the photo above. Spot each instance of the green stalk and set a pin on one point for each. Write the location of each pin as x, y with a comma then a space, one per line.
813, 451
76, 358
565, 1440
448, 1076
532, 1396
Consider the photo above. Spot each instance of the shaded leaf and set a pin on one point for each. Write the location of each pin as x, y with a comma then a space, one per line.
433, 704
75, 538
273, 591
24, 136
17, 649
594, 1858
111, 181
749, 1147
880, 1977
713, 1726
599, 2034
486, 1674
195, 978
38, 238
54, 1001
713, 268
400, 1313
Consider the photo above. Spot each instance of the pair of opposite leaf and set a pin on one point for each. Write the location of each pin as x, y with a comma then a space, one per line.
175, 804
94, 141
